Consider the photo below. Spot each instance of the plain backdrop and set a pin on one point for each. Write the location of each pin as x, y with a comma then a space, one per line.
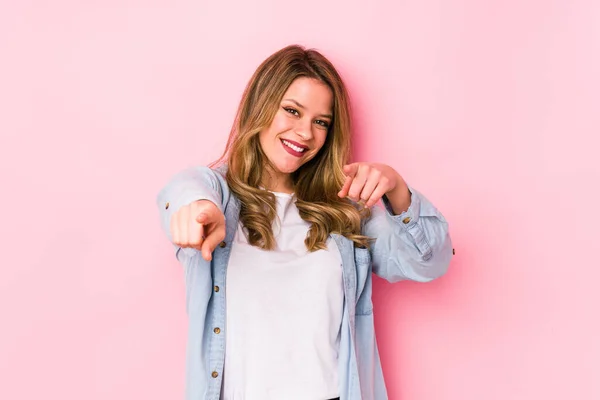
490, 108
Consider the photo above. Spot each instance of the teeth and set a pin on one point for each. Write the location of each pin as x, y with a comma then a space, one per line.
291, 146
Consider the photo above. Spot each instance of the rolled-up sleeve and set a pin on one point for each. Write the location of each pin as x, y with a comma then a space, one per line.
413, 245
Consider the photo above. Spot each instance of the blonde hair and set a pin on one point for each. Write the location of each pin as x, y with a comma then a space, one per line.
317, 182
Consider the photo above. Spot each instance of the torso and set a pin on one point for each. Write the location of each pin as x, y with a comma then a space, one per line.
284, 312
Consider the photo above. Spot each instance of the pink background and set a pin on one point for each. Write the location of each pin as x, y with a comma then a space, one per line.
490, 108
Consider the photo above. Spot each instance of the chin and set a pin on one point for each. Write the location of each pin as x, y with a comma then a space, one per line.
288, 170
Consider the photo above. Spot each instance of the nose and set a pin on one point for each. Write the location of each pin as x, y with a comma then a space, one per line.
303, 128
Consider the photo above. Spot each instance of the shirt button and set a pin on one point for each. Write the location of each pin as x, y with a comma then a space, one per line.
216, 288
167, 206
214, 374
222, 244
217, 330
406, 220
453, 252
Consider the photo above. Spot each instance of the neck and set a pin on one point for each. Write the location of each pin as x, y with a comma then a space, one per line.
278, 182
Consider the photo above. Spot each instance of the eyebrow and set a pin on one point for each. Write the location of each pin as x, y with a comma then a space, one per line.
304, 108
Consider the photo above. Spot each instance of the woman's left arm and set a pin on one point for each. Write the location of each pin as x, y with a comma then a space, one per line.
412, 239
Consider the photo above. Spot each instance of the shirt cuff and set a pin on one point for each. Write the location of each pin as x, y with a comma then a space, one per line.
409, 221
409, 217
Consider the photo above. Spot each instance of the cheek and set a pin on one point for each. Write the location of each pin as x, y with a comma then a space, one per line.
280, 124
320, 137
263, 137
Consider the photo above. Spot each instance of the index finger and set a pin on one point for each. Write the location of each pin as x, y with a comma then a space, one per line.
205, 211
346, 187
211, 241
350, 171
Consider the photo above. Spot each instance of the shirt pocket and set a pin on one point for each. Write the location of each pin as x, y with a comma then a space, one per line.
362, 261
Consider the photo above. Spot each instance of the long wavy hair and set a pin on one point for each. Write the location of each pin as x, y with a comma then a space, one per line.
317, 182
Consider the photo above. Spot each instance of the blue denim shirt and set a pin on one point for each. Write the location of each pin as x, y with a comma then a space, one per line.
414, 245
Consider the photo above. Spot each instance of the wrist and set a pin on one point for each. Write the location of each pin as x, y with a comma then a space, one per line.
399, 198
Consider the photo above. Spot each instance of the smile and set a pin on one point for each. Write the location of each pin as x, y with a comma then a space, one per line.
292, 148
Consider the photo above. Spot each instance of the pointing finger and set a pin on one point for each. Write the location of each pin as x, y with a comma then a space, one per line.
344, 192
350, 171
212, 240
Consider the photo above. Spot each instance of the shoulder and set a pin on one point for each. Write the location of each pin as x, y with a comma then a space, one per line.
213, 176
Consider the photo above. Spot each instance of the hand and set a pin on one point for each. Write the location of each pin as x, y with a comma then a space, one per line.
368, 182
199, 225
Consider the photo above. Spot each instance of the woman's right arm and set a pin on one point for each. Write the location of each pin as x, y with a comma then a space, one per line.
185, 188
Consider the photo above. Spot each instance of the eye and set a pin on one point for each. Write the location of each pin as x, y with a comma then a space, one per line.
292, 111
324, 124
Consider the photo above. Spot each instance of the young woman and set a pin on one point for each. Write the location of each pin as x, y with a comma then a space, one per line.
278, 240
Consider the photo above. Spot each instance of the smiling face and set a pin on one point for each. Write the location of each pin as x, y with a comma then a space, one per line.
297, 132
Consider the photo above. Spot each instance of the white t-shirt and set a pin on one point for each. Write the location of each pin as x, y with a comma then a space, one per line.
284, 312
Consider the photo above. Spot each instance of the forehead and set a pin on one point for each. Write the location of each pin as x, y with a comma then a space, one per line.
313, 94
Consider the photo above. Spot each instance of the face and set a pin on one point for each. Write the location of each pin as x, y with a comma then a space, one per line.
299, 128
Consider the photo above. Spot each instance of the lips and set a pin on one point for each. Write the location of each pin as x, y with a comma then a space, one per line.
294, 148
